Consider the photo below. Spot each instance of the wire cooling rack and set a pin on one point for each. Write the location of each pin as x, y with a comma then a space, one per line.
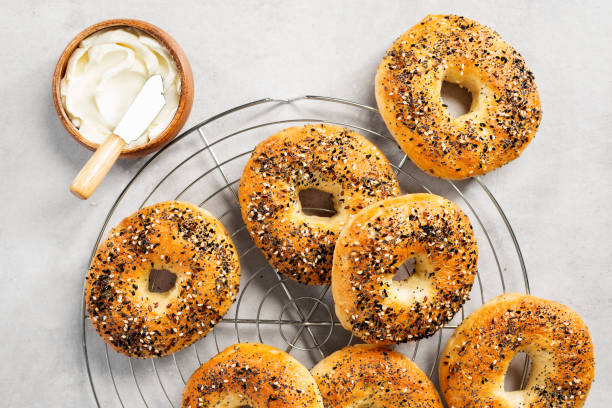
203, 165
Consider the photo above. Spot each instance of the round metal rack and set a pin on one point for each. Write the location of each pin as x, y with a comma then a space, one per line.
203, 166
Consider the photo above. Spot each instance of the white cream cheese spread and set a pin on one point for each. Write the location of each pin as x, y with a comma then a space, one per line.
104, 75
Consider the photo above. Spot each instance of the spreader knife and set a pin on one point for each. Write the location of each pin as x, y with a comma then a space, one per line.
147, 104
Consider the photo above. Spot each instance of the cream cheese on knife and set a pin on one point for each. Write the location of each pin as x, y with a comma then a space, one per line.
104, 75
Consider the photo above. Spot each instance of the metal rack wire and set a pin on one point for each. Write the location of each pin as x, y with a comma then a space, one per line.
203, 165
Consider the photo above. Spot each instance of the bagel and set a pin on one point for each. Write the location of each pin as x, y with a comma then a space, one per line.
505, 111
252, 375
478, 354
179, 238
328, 158
378, 240
373, 376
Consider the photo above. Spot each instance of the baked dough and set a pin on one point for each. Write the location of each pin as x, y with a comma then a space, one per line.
378, 240
177, 237
505, 111
324, 157
373, 376
477, 356
252, 375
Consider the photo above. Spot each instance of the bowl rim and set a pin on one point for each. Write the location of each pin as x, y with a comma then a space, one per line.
183, 68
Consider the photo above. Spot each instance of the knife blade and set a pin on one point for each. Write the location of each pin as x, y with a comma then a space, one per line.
147, 104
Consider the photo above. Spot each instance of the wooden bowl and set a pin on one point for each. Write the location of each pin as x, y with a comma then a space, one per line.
184, 71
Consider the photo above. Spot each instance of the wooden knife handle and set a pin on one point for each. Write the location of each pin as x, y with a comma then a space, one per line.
90, 176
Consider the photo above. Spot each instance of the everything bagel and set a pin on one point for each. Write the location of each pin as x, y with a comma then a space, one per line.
479, 352
252, 375
373, 376
177, 237
505, 111
377, 241
324, 157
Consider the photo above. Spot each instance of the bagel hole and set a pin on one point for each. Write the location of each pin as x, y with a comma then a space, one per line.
161, 280
405, 270
456, 99
317, 203
513, 381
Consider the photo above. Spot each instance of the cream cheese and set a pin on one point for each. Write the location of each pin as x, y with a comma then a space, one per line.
104, 75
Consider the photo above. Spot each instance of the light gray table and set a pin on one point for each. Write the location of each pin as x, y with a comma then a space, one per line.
557, 195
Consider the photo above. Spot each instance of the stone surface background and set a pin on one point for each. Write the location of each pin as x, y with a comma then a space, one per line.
557, 195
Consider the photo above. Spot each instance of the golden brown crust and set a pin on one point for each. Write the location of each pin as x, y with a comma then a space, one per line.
329, 158
175, 236
377, 241
373, 376
505, 110
479, 352
254, 375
